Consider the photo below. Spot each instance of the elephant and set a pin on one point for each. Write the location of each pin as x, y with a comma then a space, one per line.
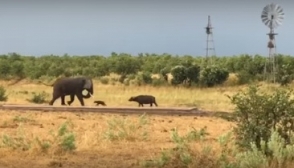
71, 86
144, 99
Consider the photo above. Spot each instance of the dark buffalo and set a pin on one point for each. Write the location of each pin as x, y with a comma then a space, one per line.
144, 99
98, 102
71, 86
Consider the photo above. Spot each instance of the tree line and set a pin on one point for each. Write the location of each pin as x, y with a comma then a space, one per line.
186, 70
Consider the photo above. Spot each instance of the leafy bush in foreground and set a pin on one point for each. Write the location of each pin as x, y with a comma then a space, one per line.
258, 112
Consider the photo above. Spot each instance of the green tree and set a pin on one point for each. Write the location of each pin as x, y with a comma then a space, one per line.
193, 73
125, 65
4, 68
17, 69
179, 74
213, 75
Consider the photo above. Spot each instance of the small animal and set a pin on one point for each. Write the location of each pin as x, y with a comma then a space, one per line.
144, 99
99, 102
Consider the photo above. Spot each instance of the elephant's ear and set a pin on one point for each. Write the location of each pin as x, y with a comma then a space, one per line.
88, 84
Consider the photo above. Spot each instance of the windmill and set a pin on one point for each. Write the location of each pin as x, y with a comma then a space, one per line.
272, 16
209, 39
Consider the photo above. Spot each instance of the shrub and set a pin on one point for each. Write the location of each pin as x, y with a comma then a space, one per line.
122, 78
61, 141
39, 98
131, 76
258, 112
64, 140
123, 129
179, 74
145, 78
244, 77
163, 73
285, 76
232, 80
3, 96
282, 154
213, 75
182, 155
104, 80
16, 142
158, 82
187, 74
192, 74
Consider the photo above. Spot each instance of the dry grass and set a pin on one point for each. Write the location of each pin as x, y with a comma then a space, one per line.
118, 95
92, 150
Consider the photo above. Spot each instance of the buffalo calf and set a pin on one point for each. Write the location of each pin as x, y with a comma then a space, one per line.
144, 99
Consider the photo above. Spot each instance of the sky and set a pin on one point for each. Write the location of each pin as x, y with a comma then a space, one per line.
99, 27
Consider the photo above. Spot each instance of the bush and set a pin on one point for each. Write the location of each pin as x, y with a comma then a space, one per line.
282, 154
285, 76
131, 76
104, 80
182, 155
15, 66
158, 82
145, 78
18, 141
179, 74
244, 77
38, 98
3, 97
213, 75
123, 129
122, 78
192, 73
66, 138
163, 73
63, 140
59, 142
258, 112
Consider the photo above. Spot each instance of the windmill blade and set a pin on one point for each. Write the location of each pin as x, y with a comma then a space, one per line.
272, 15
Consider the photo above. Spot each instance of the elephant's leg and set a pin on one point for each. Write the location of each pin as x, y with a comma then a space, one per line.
62, 100
72, 98
80, 97
55, 96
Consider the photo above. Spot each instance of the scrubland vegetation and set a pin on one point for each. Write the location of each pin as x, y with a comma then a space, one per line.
147, 68
255, 131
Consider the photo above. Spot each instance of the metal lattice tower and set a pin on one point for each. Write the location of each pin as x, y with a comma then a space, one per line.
272, 16
270, 66
209, 40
